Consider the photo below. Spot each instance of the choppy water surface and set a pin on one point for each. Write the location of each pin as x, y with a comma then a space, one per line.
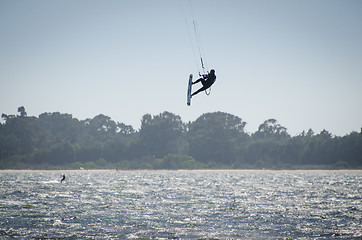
181, 205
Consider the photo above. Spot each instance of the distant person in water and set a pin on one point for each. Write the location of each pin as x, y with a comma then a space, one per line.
63, 178
207, 80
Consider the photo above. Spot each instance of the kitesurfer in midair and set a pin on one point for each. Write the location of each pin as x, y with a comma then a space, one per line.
63, 178
207, 80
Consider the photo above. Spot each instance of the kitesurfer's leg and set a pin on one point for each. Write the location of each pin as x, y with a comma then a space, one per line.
205, 86
200, 80
200, 90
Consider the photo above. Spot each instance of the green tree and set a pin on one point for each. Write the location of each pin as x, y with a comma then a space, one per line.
268, 145
57, 128
100, 128
22, 112
214, 137
271, 128
161, 133
55, 140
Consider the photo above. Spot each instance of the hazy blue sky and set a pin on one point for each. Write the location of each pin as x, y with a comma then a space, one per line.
299, 62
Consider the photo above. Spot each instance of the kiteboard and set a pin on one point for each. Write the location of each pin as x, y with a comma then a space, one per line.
189, 91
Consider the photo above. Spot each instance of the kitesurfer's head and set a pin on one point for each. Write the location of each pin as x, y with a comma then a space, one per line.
212, 71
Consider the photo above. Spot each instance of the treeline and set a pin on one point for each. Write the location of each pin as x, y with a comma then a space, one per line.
214, 140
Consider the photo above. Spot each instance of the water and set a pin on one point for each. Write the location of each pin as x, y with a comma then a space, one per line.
181, 205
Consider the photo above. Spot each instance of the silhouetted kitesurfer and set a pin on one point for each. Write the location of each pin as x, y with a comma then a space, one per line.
63, 178
207, 80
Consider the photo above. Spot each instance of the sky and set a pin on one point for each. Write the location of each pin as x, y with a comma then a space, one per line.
299, 62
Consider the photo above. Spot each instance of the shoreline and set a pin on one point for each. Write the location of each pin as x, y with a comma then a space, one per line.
180, 170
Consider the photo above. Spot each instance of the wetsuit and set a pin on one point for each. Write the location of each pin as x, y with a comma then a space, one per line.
206, 80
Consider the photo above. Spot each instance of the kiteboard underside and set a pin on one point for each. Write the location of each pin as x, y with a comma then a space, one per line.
189, 91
